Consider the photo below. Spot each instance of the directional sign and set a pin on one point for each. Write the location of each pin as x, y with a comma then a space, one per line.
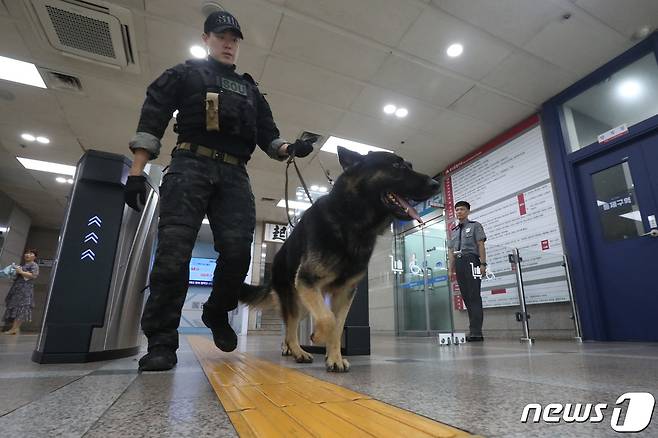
95, 221
91, 236
88, 254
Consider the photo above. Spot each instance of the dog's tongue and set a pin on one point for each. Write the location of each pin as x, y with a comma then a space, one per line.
408, 208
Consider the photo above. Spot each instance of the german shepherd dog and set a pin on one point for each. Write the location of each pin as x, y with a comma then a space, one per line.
328, 251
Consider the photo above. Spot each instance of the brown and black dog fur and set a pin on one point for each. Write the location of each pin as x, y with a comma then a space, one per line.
329, 250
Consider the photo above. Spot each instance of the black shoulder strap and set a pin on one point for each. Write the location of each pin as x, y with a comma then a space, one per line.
249, 79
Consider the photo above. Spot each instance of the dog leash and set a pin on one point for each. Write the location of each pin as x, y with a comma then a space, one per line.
291, 160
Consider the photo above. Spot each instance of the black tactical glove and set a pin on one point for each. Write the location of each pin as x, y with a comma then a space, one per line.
300, 148
135, 193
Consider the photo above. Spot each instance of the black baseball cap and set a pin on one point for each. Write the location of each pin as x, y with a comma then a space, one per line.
220, 21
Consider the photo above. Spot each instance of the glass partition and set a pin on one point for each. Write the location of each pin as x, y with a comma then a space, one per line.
623, 99
423, 295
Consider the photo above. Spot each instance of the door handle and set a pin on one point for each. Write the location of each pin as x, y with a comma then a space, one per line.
652, 233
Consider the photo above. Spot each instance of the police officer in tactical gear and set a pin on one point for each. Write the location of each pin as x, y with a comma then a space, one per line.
222, 116
468, 260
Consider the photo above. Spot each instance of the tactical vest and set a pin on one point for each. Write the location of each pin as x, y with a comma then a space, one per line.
226, 103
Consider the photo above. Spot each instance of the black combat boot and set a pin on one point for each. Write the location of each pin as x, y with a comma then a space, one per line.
222, 333
159, 358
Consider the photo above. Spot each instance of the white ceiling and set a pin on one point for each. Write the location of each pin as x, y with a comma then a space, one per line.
327, 66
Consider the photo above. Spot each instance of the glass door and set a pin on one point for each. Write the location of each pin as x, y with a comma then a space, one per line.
423, 294
436, 272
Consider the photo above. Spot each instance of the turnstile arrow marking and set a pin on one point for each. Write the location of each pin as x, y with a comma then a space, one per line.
91, 236
95, 221
88, 254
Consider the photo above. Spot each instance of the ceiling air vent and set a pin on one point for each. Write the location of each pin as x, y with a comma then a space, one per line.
61, 81
96, 31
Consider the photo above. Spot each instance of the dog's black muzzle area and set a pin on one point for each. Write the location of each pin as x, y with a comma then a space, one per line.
399, 203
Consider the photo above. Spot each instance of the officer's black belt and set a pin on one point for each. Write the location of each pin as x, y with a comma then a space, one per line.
207, 152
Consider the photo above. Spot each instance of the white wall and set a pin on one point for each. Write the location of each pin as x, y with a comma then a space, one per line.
381, 287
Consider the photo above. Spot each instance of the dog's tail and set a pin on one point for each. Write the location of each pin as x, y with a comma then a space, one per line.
257, 296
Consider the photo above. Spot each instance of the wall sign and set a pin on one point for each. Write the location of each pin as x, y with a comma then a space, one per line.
508, 186
613, 133
275, 232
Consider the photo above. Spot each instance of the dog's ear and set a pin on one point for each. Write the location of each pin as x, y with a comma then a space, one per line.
348, 158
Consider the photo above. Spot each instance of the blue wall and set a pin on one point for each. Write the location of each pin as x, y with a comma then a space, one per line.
562, 166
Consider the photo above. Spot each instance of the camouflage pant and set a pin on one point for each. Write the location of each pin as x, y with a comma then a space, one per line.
193, 187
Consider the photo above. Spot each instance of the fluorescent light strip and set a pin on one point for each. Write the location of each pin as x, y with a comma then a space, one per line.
46, 166
297, 205
332, 144
634, 215
20, 71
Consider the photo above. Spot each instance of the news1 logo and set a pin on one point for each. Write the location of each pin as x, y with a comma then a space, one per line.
638, 412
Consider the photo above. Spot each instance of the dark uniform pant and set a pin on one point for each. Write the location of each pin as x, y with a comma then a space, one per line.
193, 187
469, 287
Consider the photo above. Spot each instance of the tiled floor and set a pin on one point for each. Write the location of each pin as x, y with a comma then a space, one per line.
481, 388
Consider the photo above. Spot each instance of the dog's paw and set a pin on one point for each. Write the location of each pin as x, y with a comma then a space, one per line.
303, 357
285, 350
337, 366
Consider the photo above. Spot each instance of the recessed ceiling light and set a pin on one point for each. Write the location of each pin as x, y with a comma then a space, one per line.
455, 50
70, 180
198, 52
42, 139
28, 137
401, 112
332, 144
641, 32
629, 89
389, 109
314, 188
46, 166
21, 72
294, 204
264, 245
60, 180
322, 189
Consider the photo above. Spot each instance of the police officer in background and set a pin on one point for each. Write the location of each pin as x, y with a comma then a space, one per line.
222, 116
468, 259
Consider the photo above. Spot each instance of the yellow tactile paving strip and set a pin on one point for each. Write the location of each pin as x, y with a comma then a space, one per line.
266, 400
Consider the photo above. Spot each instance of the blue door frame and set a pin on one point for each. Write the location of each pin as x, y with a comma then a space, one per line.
564, 175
